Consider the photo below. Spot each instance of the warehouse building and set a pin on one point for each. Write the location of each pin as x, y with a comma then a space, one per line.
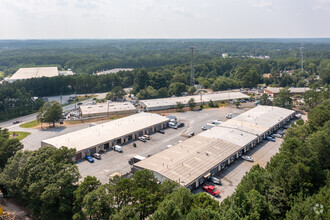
274, 91
106, 109
193, 160
168, 103
35, 72
102, 137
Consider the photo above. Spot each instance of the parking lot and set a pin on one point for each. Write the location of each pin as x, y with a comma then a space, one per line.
112, 162
233, 174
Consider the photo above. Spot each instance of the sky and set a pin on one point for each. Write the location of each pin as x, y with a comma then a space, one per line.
122, 19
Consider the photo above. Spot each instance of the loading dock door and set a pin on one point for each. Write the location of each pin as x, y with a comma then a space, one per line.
78, 156
106, 146
93, 150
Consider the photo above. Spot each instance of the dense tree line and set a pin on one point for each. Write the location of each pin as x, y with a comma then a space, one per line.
16, 101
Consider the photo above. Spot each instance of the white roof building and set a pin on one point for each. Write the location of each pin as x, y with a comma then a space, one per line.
210, 151
167, 103
273, 91
110, 108
34, 72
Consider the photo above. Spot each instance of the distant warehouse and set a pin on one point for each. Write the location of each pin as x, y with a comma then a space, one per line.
275, 91
193, 160
168, 103
104, 109
102, 137
35, 72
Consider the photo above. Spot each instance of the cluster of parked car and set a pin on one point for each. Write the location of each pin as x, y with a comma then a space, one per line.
91, 159
144, 138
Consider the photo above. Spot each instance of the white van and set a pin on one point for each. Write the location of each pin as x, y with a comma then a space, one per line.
118, 148
229, 115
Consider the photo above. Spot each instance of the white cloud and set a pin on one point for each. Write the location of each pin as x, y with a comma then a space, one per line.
266, 4
322, 5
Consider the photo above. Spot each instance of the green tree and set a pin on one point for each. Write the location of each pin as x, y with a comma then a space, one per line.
237, 103
192, 104
311, 99
8, 147
116, 94
88, 185
283, 99
177, 88
44, 180
127, 212
99, 204
192, 90
142, 79
264, 99
51, 112
179, 106
167, 210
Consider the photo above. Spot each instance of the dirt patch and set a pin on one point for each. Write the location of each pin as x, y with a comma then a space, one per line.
13, 210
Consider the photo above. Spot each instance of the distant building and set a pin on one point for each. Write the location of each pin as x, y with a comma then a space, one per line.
267, 75
272, 91
168, 103
113, 71
104, 109
34, 72
225, 55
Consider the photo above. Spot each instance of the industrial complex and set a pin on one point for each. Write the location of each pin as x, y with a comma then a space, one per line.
106, 109
196, 158
168, 103
274, 91
102, 137
35, 72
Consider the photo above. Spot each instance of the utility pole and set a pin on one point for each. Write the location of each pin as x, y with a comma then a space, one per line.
302, 58
192, 75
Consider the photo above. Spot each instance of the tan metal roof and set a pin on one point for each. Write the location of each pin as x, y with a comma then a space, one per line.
172, 101
190, 159
102, 133
194, 157
110, 107
292, 90
35, 72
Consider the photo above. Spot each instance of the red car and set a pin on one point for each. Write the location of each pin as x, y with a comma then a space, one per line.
211, 189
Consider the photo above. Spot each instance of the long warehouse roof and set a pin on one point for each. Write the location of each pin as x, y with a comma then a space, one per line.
35, 72
194, 157
292, 90
184, 99
107, 107
102, 133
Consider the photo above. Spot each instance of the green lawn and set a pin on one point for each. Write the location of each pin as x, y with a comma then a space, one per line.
21, 134
29, 124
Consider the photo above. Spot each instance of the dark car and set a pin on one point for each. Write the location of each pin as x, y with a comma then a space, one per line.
89, 159
199, 109
180, 125
16, 122
79, 103
161, 131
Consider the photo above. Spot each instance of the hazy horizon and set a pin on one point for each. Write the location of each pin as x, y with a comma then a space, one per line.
160, 19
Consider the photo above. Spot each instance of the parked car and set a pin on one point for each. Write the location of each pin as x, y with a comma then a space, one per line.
97, 156
161, 131
215, 180
16, 122
172, 125
216, 122
278, 135
229, 115
269, 138
211, 189
287, 126
247, 158
242, 100
118, 148
180, 125
79, 103
142, 139
199, 109
89, 159
280, 132
147, 137
168, 146
190, 134
207, 126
